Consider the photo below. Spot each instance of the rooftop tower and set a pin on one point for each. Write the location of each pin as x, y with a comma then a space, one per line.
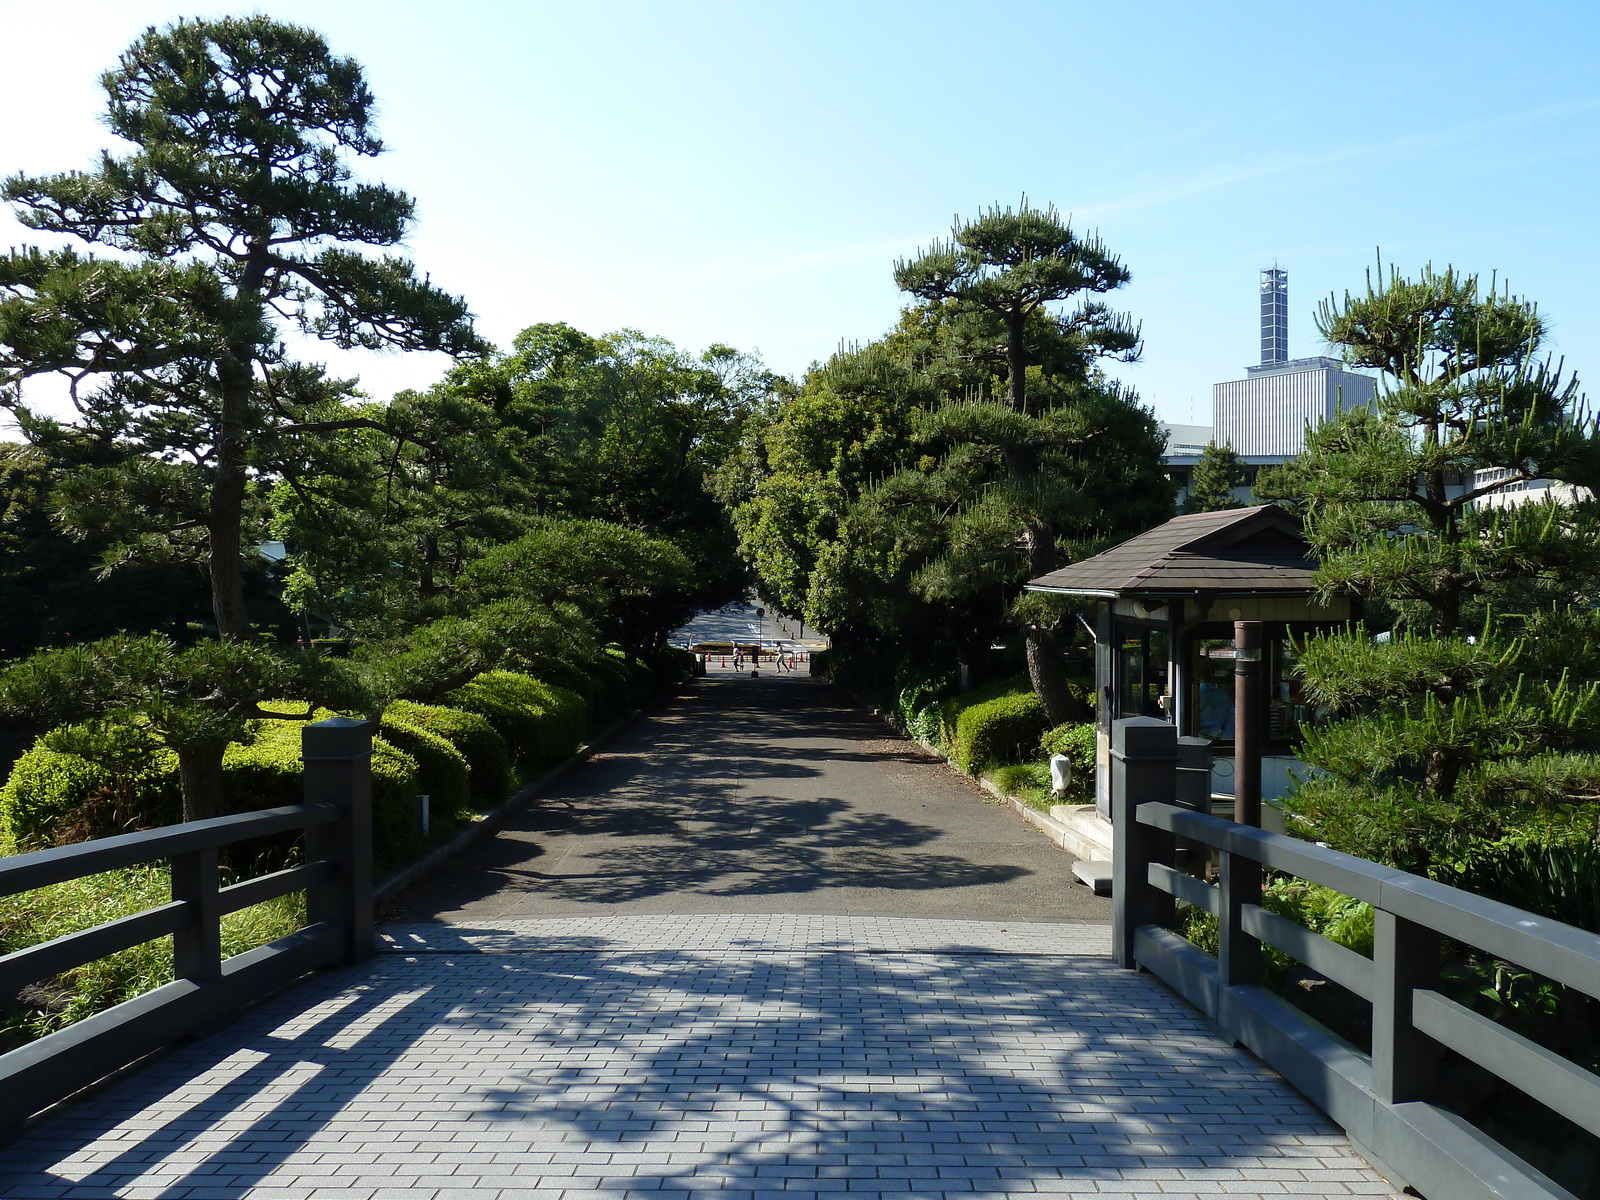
1265, 415
1274, 317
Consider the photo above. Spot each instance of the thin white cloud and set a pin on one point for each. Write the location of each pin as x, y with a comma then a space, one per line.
1433, 140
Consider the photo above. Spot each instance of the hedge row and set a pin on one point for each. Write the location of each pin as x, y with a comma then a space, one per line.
992, 725
456, 754
539, 723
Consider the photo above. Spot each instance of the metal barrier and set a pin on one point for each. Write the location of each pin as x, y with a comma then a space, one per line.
336, 877
1380, 1099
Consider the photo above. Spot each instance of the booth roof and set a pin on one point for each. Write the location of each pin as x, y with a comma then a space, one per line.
1241, 551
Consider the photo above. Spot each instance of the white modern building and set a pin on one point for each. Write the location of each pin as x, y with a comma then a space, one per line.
1265, 415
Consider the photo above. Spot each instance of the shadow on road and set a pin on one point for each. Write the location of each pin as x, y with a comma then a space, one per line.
950, 1072
739, 787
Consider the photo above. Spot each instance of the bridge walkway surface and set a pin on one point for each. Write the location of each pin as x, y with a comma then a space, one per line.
758, 948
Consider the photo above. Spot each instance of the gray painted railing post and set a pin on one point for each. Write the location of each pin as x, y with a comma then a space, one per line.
1405, 957
197, 947
338, 770
1238, 954
1144, 759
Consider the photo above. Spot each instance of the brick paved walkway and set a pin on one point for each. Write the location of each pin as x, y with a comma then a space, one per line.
664, 1056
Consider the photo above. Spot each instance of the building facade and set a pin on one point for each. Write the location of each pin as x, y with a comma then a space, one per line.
1267, 413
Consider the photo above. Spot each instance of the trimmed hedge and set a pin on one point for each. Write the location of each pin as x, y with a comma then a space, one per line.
442, 772
1074, 740
488, 761
992, 725
541, 724
268, 769
53, 796
48, 789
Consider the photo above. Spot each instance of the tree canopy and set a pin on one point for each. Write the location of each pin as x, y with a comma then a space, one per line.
235, 213
914, 485
1476, 710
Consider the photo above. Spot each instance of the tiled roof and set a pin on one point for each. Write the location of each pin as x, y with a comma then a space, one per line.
1244, 550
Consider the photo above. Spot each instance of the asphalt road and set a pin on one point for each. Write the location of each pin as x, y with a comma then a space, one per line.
770, 795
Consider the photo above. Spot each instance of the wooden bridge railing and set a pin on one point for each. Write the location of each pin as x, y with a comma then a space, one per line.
1384, 1100
336, 876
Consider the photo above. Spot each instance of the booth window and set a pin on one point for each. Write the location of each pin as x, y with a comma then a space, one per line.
1142, 673
1211, 700
1211, 691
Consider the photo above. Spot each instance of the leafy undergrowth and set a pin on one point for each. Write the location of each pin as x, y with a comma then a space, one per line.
63, 908
1030, 783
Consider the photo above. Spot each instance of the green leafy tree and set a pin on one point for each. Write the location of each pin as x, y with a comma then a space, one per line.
792, 486
624, 429
1050, 465
235, 212
51, 587
1216, 473
1478, 712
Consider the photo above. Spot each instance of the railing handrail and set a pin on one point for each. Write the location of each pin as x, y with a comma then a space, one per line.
57, 864
1385, 1100
1564, 952
336, 877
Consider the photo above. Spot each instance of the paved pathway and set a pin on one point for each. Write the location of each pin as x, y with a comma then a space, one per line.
626, 1052
761, 795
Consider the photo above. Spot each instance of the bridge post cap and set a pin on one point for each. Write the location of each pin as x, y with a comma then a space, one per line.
1194, 752
336, 737
1144, 737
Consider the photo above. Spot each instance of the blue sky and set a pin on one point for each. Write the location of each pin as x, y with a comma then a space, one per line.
747, 173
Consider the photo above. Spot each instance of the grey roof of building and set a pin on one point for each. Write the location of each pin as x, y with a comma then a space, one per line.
1248, 551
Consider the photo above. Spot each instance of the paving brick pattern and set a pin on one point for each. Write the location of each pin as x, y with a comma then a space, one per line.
787, 1057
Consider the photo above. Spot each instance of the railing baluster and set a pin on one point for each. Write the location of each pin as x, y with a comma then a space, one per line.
1405, 957
197, 947
338, 770
1238, 954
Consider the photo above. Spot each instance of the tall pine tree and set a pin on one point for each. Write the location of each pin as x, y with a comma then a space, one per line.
235, 212
1057, 460
1476, 714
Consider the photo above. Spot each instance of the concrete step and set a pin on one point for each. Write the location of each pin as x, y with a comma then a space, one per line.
1094, 873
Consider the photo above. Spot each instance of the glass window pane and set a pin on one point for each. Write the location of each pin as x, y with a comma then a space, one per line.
1212, 698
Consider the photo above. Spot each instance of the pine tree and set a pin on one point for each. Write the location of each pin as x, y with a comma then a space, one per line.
1476, 714
236, 211
1216, 473
1061, 458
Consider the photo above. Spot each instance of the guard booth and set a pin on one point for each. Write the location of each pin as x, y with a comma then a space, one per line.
1165, 604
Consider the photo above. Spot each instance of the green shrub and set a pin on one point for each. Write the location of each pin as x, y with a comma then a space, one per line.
1349, 922
55, 796
442, 772
541, 724
918, 704
1076, 741
674, 663
266, 772
488, 762
998, 723
1559, 880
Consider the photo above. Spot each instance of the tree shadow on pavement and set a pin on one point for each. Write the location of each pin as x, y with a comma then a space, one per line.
677, 1072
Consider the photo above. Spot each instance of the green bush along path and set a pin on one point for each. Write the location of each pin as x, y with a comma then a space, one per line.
770, 795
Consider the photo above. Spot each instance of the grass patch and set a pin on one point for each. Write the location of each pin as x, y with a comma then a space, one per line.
1030, 783
78, 904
